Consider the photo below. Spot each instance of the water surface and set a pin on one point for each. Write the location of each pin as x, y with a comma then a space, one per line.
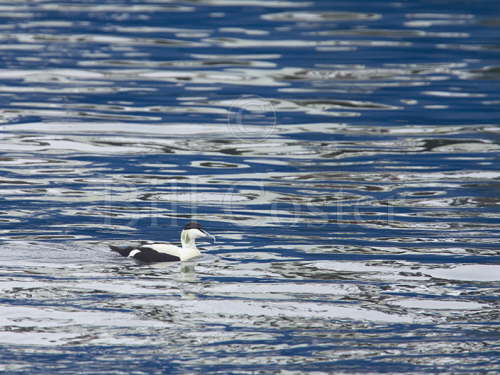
345, 154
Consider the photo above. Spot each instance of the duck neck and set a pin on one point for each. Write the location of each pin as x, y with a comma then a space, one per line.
186, 241
189, 249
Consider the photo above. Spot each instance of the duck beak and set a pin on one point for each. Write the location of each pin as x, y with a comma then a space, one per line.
209, 235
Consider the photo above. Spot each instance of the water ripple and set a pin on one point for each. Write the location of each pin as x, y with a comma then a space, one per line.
345, 158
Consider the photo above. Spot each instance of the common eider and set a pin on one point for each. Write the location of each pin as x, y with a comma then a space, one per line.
165, 252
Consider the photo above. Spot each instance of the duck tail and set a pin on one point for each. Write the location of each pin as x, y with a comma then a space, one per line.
122, 250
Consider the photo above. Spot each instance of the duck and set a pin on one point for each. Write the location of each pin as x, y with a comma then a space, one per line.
165, 252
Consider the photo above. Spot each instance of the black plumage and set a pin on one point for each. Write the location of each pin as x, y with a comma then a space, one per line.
144, 254
193, 225
123, 250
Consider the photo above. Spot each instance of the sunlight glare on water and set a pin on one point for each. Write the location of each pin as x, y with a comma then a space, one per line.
345, 155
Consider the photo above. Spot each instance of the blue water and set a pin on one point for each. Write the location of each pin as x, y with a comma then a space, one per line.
345, 155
